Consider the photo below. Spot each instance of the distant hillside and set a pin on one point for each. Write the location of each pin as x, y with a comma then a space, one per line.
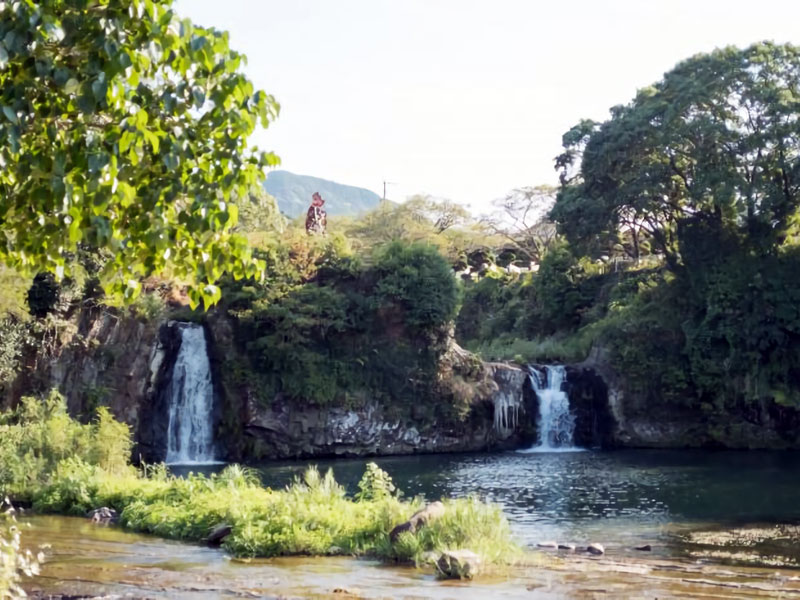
293, 193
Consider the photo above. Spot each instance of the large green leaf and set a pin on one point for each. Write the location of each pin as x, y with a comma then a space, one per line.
125, 128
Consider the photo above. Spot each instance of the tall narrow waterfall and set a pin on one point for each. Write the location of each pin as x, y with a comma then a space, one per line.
191, 401
555, 425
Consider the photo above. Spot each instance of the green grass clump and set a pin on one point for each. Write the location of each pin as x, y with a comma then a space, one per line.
74, 468
313, 516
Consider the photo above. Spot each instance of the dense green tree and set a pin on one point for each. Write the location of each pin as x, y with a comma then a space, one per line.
418, 280
718, 139
124, 128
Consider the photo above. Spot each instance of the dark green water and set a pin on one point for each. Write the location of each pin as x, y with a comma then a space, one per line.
620, 498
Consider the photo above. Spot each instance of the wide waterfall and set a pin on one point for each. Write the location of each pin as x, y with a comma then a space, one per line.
555, 423
190, 436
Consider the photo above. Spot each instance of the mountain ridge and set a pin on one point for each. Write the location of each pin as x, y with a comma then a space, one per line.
293, 194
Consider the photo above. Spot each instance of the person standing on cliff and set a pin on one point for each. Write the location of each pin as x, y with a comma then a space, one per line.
316, 218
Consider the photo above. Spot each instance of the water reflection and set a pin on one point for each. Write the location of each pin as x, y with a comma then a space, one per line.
619, 497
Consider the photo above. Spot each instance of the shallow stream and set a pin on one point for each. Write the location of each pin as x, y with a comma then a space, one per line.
720, 524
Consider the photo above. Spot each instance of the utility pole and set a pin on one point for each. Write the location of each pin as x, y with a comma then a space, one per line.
385, 183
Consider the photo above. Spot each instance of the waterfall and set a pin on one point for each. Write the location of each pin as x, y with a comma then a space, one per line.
506, 413
555, 424
190, 437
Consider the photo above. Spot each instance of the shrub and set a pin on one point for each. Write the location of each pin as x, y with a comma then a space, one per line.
70, 468
418, 279
39, 434
111, 442
14, 337
375, 484
43, 295
149, 306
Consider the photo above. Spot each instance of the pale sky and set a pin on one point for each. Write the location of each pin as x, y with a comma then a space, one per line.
458, 98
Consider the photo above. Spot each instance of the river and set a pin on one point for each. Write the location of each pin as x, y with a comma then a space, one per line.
717, 520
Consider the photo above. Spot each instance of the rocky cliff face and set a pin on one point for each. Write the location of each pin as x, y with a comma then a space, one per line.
114, 360
633, 420
103, 359
285, 428
282, 430
589, 402
126, 364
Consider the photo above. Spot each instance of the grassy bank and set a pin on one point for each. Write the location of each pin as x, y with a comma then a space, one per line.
66, 467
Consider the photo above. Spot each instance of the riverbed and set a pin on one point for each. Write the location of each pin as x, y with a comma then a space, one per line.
719, 524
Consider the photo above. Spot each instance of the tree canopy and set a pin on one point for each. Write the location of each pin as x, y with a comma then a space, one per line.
125, 128
521, 218
717, 142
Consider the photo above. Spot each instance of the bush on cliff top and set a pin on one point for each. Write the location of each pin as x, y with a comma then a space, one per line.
327, 330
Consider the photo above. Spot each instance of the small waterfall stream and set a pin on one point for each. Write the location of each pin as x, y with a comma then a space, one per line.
190, 437
555, 423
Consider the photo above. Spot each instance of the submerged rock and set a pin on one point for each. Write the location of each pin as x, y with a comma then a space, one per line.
422, 517
352, 592
566, 546
596, 549
645, 548
103, 515
458, 564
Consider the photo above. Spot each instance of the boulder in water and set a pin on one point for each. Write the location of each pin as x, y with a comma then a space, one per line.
7, 506
430, 513
645, 548
548, 545
458, 564
218, 533
596, 549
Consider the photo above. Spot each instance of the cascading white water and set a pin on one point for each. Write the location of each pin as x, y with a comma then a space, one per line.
190, 437
555, 424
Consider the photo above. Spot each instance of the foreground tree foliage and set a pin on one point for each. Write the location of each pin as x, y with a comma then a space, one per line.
124, 128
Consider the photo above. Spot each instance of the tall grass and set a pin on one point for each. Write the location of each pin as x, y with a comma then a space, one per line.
313, 516
76, 468
39, 434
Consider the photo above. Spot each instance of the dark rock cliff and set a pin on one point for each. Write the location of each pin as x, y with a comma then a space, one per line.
634, 420
126, 364
282, 427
